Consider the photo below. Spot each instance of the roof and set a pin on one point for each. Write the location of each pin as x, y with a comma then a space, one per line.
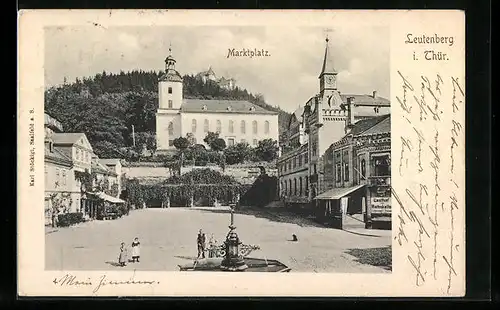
298, 113
98, 167
366, 100
57, 156
66, 137
221, 106
109, 161
338, 192
327, 61
171, 75
364, 125
383, 126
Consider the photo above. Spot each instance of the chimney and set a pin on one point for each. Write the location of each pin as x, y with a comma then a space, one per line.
374, 94
350, 114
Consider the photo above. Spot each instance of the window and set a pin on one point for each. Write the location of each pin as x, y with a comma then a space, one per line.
382, 165
230, 142
219, 126
254, 127
315, 171
193, 126
314, 146
363, 167
290, 186
243, 127
77, 154
63, 177
266, 127
206, 126
300, 186
171, 142
346, 171
77, 205
57, 176
170, 104
289, 165
338, 172
255, 143
306, 158
284, 166
295, 187
231, 126
307, 186
300, 160
294, 162
171, 129
285, 187
170, 90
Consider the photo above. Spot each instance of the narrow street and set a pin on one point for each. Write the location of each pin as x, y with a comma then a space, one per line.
168, 238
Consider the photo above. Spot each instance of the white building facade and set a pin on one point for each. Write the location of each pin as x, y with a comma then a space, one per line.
235, 120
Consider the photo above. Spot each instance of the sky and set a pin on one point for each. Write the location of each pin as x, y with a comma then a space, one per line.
287, 78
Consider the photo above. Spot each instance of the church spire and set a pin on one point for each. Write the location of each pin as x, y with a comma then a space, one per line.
327, 61
170, 61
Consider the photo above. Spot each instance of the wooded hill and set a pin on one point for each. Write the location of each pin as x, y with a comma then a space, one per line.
106, 106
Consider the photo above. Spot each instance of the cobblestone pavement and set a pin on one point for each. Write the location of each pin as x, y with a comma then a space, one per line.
168, 238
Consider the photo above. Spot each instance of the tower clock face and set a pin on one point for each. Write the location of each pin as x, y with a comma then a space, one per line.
330, 79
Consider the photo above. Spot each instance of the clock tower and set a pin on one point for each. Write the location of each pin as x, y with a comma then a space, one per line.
328, 80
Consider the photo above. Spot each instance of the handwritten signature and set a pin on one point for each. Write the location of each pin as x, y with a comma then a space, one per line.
72, 280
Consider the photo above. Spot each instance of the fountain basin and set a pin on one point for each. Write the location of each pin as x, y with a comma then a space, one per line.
254, 265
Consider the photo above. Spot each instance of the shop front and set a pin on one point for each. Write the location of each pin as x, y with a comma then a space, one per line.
334, 205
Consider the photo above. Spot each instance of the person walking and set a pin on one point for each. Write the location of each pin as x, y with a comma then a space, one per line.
122, 258
201, 244
136, 250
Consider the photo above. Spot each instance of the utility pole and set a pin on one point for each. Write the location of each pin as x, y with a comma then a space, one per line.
133, 135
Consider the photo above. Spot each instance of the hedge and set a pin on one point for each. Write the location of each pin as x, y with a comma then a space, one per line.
68, 219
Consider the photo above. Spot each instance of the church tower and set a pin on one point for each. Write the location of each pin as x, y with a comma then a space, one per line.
168, 121
170, 86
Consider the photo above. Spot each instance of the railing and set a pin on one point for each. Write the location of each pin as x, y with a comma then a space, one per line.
379, 180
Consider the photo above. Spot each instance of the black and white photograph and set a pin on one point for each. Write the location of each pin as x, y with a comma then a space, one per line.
210, 153
158, 139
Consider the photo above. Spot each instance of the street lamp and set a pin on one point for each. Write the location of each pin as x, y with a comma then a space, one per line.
233, 261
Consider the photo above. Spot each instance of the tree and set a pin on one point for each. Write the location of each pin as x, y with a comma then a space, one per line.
210, 138
181, 144
237, 153
267, 149
218, 145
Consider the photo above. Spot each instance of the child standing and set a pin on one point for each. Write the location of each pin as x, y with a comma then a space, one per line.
122, 259
136, 251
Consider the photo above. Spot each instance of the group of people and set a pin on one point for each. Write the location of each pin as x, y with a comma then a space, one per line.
200, 240
136, 253
202, 248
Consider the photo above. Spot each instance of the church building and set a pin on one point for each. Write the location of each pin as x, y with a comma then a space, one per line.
235, 120
324, 119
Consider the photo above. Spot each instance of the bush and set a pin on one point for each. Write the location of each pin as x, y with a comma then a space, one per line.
68, 219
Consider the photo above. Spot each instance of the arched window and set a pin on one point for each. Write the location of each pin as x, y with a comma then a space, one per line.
231, 126
254, 127
206, 126
290, 186
219, 126
284, 182
243, 127
193, 126
300, 186
266, 127
295, 187
170, 129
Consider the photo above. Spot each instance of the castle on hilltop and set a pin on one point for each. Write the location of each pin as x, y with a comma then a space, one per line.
209, 75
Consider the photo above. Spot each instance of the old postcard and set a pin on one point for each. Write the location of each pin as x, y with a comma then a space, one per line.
241, 153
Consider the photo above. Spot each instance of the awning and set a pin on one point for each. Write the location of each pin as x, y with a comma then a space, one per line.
106, 197
337, 193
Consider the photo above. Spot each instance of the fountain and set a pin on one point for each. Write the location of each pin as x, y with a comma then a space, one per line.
235, 257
